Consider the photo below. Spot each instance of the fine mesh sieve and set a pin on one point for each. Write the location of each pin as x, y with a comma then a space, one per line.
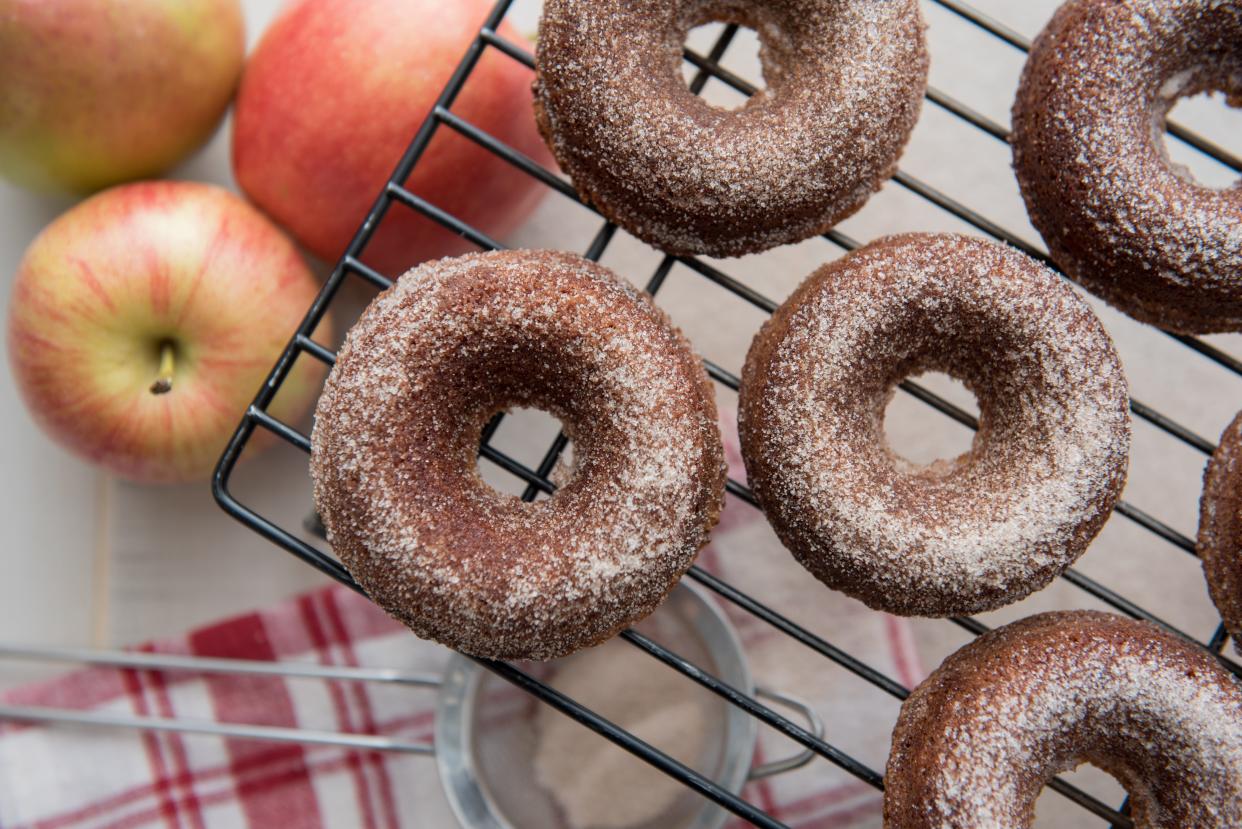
492, 739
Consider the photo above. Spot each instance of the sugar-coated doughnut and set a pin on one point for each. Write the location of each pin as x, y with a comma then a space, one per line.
958, 536
1220, 529
397, 431
979, 738
1088, 148
845, 82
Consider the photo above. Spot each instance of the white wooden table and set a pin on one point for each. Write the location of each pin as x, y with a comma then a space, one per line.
91, 560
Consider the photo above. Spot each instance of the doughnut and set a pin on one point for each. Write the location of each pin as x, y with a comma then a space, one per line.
1118, 216
845, 82
397, 432
1220, 529
979, 738
957, 536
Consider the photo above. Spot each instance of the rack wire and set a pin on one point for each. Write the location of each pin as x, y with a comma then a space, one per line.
537, 479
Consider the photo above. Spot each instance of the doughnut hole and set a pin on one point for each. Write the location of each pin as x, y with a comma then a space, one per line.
1053, 810
526, 435
1216, 114
742, 58
922, 436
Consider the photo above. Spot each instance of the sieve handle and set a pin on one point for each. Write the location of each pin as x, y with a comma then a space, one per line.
210, 665
813, 722
264, 733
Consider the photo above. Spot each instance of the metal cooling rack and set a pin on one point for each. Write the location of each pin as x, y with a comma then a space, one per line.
536, 480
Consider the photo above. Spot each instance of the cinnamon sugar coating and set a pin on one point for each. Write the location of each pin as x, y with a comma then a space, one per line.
845, 82
979, 738
397, 431
1088, 123
959, 536
1220, 529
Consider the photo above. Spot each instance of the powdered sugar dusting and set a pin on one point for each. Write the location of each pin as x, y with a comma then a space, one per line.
1089, 119
845, 82
961, 537
978, 740
397, 426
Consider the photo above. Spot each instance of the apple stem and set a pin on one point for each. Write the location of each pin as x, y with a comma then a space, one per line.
163, 384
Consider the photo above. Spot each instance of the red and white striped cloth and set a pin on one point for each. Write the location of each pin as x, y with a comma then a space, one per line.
67, 777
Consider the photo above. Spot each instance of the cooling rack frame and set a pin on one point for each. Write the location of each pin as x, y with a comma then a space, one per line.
536, 480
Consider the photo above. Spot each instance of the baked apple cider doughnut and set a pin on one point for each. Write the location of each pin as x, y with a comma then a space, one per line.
960, 536
979, 738
1088, 147
1220, 529
845, 82
397, 432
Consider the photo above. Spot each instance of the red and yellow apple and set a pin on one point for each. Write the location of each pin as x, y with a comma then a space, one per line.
333, 94
96, 92
144, 320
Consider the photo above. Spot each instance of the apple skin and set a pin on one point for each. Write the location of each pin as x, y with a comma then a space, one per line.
106, 284
96, 92
333, 94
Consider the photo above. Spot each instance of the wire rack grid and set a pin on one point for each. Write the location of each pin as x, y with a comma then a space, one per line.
536, 480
